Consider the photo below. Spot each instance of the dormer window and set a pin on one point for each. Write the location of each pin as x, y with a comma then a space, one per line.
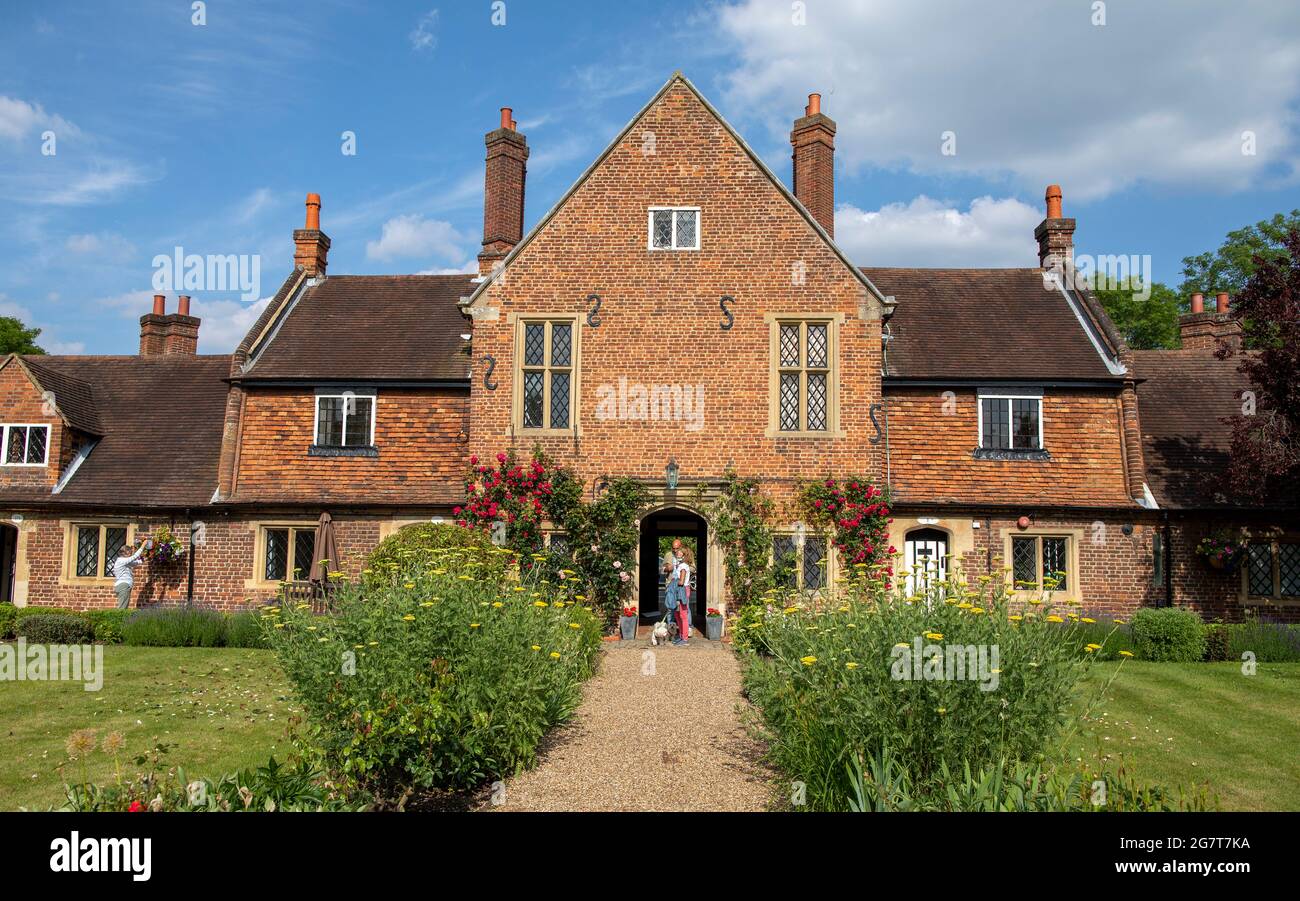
25, 445
675, 228
1011, 422
345, 423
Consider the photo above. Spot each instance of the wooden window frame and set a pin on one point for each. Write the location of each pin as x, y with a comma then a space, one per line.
833, 322
1275, 558
70, 530
574, 369
1073, 543
259, 579
650, 227
828, 575
4, 444
330, 395
980, 397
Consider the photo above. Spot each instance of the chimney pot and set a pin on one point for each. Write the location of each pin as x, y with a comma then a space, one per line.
1054, 202
814, 105
313, 212
504, 177
813, 142
183, 305
159, 304
507, 118
310, 245
1198, 303
1222, 301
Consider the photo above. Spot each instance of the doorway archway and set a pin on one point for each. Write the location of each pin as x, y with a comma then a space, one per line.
669, 523
8, 561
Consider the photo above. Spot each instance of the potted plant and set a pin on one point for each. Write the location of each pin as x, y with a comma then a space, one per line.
627, 623
713, 624
165, 547
1222, 551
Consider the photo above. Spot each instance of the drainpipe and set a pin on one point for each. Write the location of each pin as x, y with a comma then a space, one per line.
1169, 561
189, 591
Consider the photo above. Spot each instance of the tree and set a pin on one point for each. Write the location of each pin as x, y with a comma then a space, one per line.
1149, 323
1230, 267
16, 338
1266, 434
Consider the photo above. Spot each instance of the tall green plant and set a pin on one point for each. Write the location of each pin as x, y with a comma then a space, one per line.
741, 516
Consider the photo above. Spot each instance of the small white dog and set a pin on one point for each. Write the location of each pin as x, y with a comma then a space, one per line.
660, 633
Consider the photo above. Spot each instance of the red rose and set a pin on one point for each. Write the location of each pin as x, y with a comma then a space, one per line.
136, 807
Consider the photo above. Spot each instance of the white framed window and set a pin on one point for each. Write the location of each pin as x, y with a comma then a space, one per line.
346, 419
674, 228
1011, 422
25, 445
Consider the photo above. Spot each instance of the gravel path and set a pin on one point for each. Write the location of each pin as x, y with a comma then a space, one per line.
659, 730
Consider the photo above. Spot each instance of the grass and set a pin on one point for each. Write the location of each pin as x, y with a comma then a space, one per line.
223, 709
1181, 724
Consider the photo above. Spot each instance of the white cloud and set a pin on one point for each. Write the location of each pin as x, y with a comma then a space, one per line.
18, 119
990, 234
469, 267
253, 205
225, 322
415, 236
106, 246
424, 38
47, 339
1161, 93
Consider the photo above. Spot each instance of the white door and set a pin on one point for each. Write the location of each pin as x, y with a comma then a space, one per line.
925, 559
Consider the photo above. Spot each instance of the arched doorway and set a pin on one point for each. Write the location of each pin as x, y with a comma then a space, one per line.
925, 559
663, 526
8, 561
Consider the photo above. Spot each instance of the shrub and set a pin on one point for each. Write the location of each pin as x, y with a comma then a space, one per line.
442, 679
1216, 642
838, 682
107, 625
55, 629
8, 619
175, 627
1171, 634
421, 544
1270, 642
244, 630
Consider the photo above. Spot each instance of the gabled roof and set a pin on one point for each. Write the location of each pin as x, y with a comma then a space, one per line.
1183, 399
992, 324
159, 422
72, 399
365, 327
676, 78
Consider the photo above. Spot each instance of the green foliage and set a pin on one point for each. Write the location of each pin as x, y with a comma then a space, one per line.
244, 630
423, 543
1269, 642
16, 338
55, 629
107, 625
834, 683
8, 620
1232, 265
1171, 634
604, 542
1216, 642
175, 627
857, 515
740, 516
442, 679
1109, 638
1146, 323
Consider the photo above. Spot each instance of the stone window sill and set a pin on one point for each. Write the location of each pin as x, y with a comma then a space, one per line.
317, 450
985, 453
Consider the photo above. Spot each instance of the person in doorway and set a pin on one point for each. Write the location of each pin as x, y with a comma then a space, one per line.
678, 585
123, 577
689, 559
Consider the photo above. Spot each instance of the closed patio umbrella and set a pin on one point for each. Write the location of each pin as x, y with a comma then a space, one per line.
326, 556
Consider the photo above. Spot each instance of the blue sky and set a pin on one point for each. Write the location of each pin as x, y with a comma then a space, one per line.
207, 137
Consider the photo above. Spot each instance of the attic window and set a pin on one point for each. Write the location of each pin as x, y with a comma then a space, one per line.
345, 420
674, 228
1010, 422
25, 445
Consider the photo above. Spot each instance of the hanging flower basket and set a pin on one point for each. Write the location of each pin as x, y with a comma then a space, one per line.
1222, 551
167, 548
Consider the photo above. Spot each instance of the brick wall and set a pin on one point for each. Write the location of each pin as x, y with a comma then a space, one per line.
660, 316
21, 402
417, 431
931, 437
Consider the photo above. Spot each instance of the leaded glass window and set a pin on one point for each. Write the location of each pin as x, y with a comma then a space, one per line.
547, 375
801, 567
1054, 563
1037, 558
114, 539
1010, 423
289, 553
1024, 562
1273, 569
1259, 569
675, 228
804, 376
88, 550
25, 445
95, 548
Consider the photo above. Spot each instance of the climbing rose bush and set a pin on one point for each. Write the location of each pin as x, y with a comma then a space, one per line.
857, 515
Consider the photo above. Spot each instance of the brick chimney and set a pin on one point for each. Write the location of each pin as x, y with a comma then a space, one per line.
1203, 330
163, 334
1055, 234
813, 140
311, 246
503, 192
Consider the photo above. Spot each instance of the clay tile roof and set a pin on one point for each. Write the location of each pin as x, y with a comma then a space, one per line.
161, 420
404, 327
1182, 402
74, 398
984, 323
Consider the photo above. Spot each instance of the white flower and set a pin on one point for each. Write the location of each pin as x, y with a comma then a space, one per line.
618, 565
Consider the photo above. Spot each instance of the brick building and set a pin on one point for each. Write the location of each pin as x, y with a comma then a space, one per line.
677, 313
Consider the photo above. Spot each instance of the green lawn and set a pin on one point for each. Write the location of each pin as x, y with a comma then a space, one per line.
1182, 724
223, 708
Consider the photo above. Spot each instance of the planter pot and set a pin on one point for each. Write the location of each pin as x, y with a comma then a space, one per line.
627, 627
713, 628
1229, 564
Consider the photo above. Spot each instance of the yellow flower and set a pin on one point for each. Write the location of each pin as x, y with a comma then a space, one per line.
497, 604
579, 597
1055, 619
537, 647
279, 625
426, 603
303, 606
1093, 647
555, 655
791, 610
540, 604
1087, 619
372, 643
850, 625
473, 625
1089, 649
409, 618
808, 661
574, 626
933, 636
942, 710
1015, 617
977, 610
1118, 622
519, 588
410, 584
965, 605
311, 628
1126, 653
902, 644
850, 665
